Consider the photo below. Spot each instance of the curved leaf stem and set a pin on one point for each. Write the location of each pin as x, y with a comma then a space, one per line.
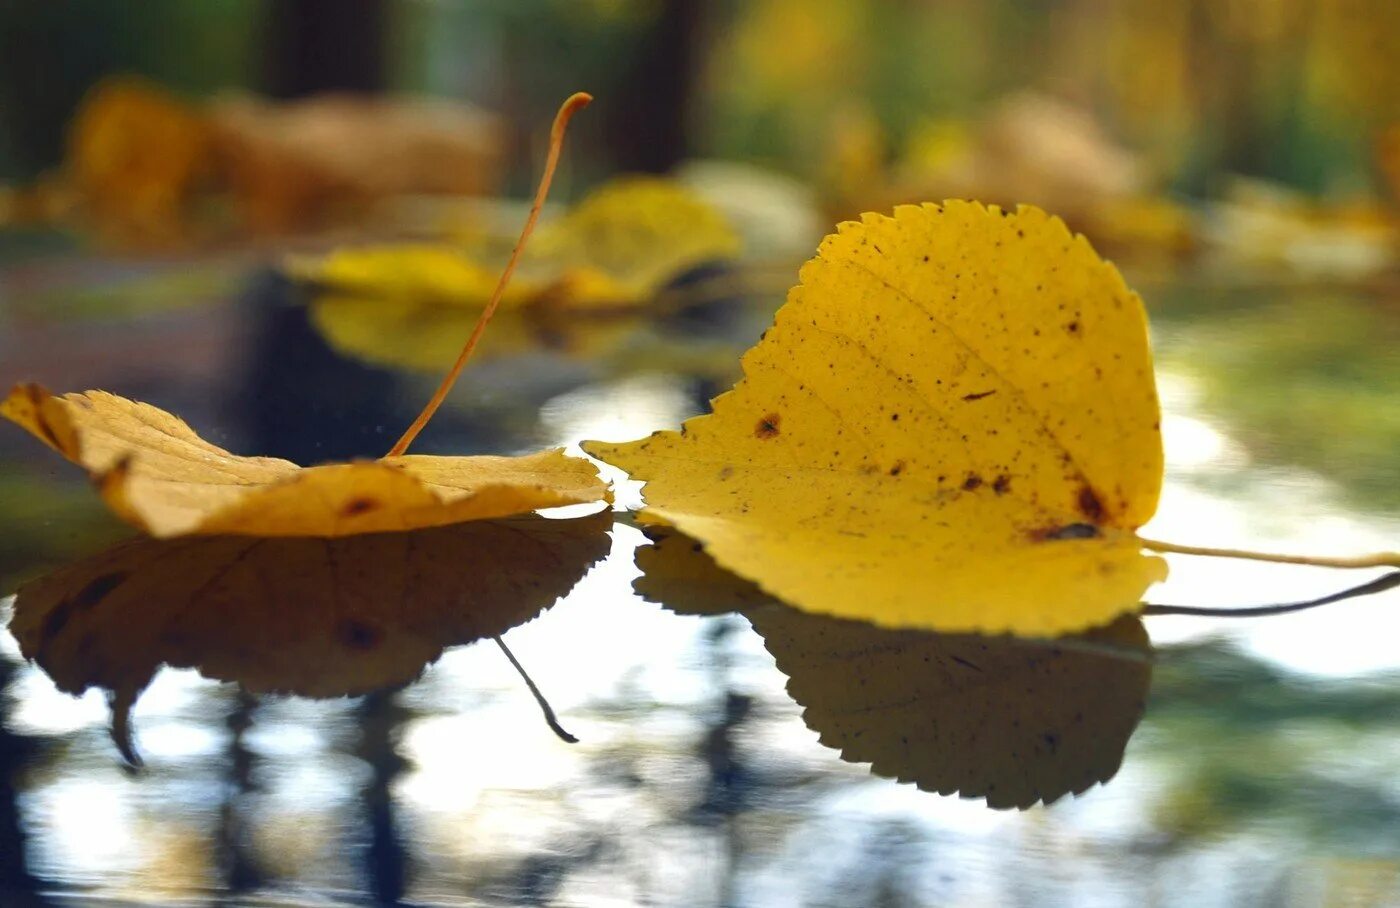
1378, 559
1370, 588
550, 719
571, 106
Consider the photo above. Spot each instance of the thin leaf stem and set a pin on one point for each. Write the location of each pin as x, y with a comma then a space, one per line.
1370, 588
550, 719
572, 105
1378, 559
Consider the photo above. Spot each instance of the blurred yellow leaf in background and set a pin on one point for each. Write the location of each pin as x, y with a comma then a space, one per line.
952, 425
616, 249
425, 337
136, 152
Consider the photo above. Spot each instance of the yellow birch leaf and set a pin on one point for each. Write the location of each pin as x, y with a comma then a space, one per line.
158, 475
314, 617
1013, 721
952, 425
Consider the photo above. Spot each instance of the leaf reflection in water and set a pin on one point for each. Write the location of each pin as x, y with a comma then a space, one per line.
1012, 721
306, 616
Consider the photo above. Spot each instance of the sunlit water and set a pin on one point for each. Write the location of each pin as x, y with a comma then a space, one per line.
1255, 777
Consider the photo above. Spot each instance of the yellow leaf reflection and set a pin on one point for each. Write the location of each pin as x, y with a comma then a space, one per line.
1008, 720
314, 617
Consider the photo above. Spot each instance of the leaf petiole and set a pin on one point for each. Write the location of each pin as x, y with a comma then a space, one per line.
550, 719
1378, 559
1370, 588
571, 106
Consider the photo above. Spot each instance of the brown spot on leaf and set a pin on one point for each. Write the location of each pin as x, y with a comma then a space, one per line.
725, 472
767, 426
41, 423
85, 599
1071, 531
1002, 484
358, 635
897, 468
979, 395
1073, 327
1089, 504
358, 506
973, 481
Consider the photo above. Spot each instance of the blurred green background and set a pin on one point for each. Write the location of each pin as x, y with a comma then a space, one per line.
1298, 91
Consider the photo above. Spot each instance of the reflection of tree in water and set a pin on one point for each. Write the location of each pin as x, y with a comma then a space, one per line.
300, 400
17, 884
241, 870
381, 719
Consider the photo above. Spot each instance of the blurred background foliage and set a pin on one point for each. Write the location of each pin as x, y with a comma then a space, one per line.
1296, 91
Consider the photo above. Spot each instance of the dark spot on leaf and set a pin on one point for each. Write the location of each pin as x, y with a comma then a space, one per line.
979, 395
358, 635
45, 430
1002, 484
767, 426
972, 481
358, 506
1073, 327
725, 472
894, 417
1052, 740
1089, 504
85, 599
1072, 531
897, 468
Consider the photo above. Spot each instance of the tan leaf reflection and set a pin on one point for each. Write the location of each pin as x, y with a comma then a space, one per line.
308, 616
1011, 721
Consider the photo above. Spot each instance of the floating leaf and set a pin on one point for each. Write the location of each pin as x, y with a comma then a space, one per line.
426, 337
631, 236
1013, 721
421, 273
952, 425
617, 248
314, 617
158, 475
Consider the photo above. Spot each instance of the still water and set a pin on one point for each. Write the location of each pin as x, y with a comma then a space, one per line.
1257, 756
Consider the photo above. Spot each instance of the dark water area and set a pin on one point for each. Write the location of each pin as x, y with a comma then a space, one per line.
1256, 756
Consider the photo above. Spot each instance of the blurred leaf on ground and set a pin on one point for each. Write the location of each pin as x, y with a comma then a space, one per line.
615, 249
